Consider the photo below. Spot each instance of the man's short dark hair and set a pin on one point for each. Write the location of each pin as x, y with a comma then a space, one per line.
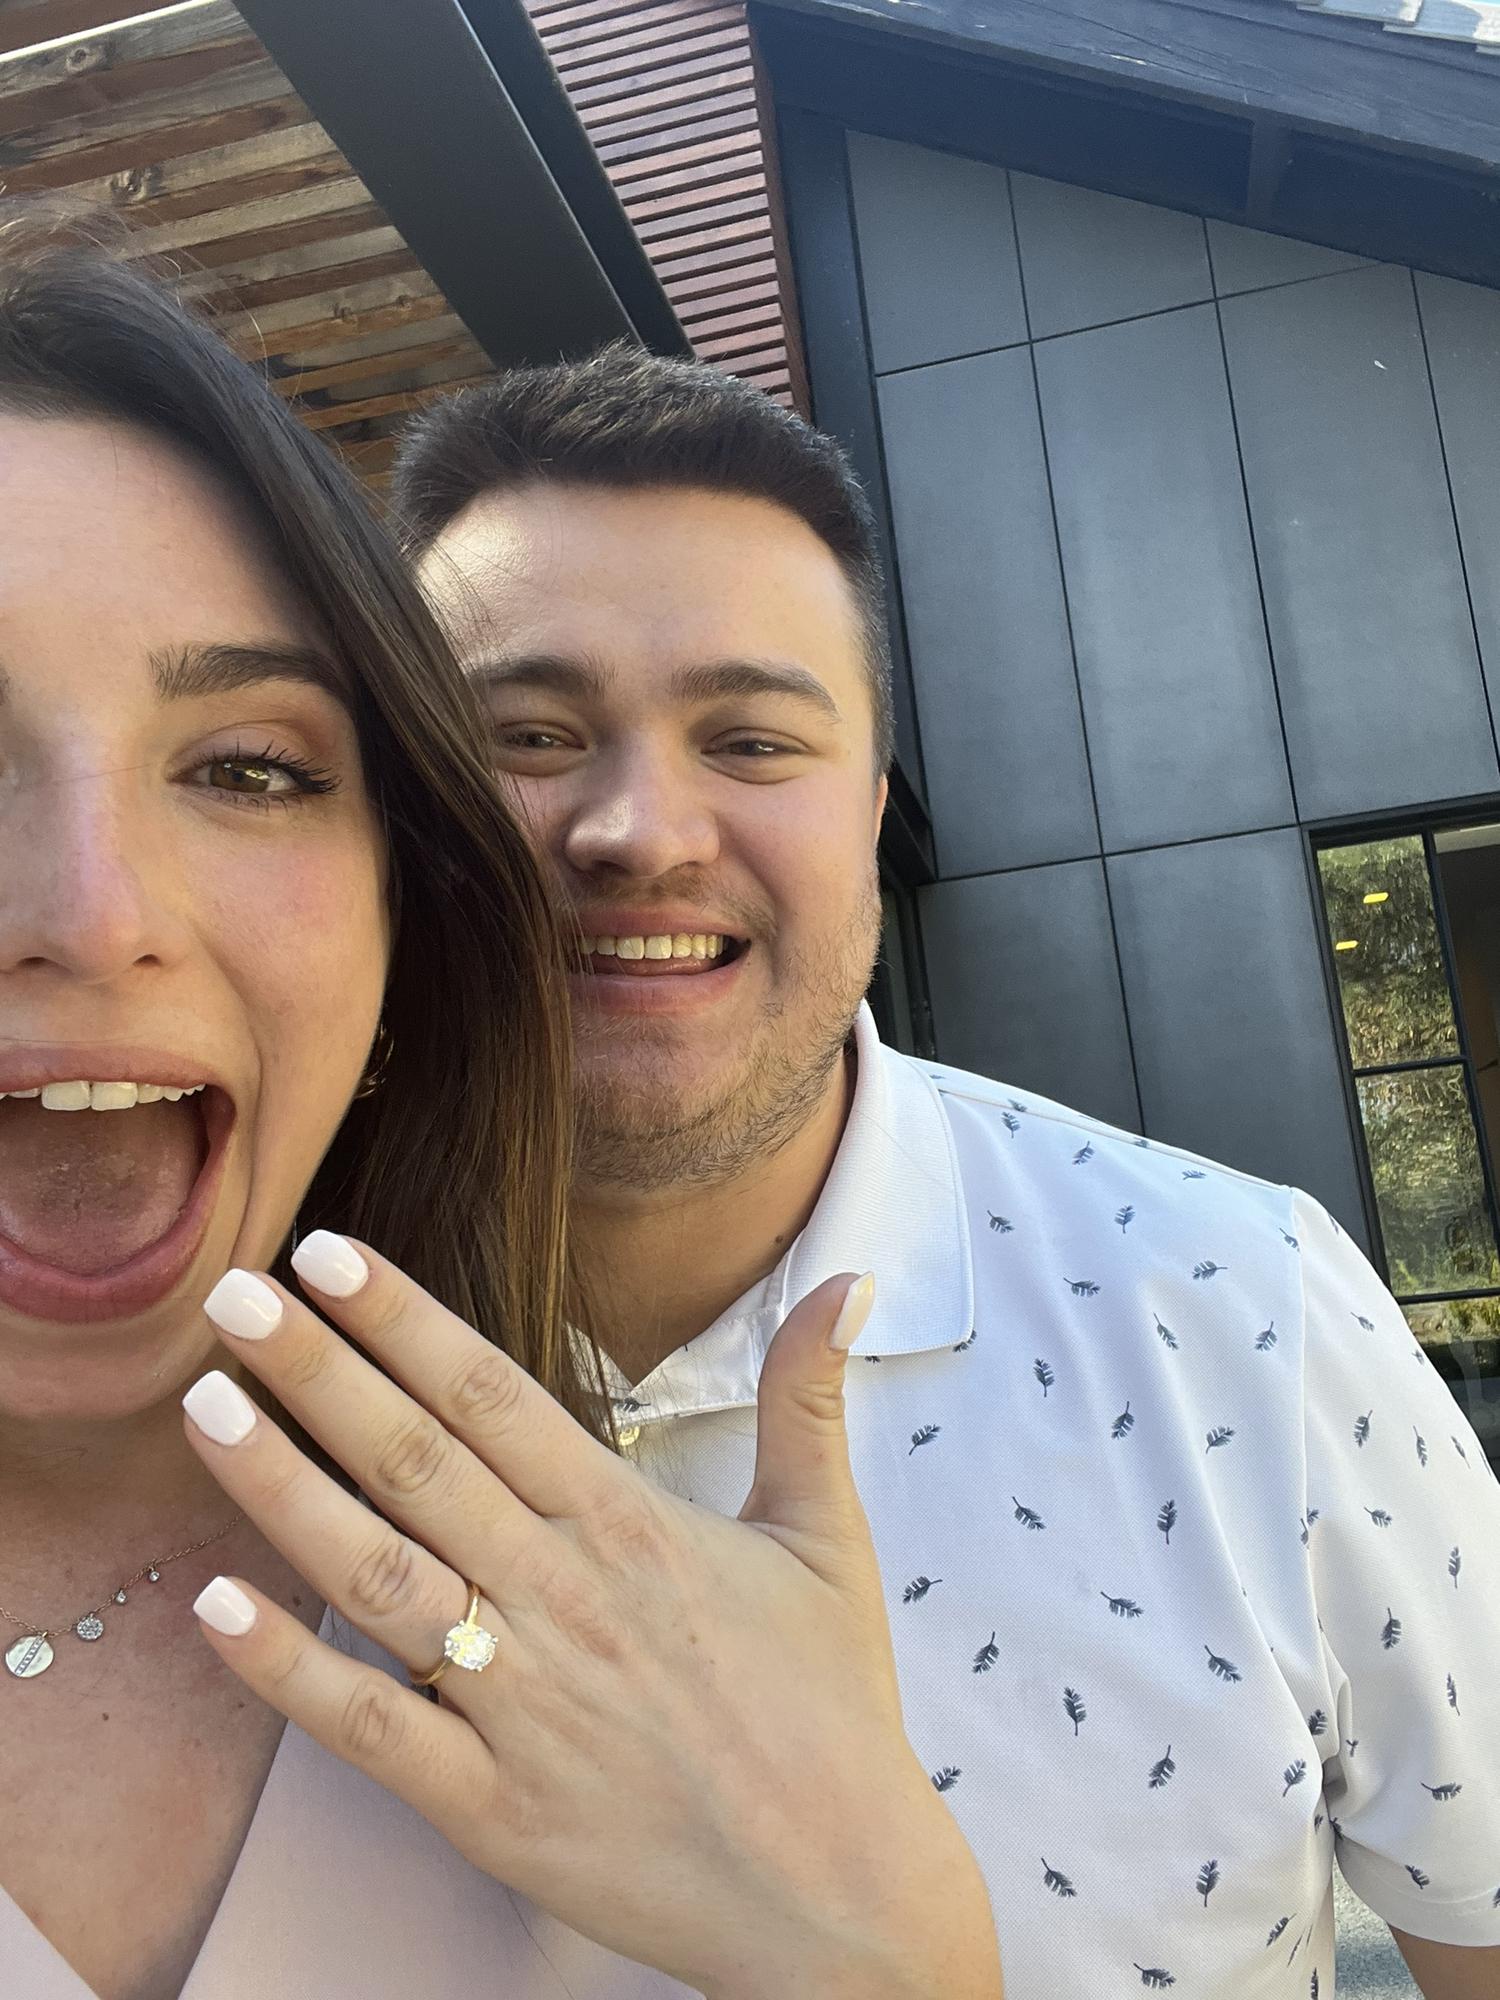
624, 418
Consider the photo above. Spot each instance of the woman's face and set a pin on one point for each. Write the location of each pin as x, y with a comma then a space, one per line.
192, 891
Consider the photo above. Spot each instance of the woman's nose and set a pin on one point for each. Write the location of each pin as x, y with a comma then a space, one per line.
642, 815
76, 892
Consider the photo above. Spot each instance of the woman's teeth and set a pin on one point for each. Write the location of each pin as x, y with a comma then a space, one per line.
83, 1096
673, 944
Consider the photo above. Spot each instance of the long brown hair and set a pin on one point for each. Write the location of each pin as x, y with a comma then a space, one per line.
457, 1166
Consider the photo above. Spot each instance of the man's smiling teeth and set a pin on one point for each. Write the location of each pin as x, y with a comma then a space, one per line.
667, 944
81, 1096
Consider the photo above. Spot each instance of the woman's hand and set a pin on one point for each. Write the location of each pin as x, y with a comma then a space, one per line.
689, 1742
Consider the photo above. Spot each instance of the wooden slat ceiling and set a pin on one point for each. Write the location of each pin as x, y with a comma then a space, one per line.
182, 123
667, 92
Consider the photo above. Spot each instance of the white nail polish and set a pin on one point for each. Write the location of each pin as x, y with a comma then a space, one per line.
225, 1607
853, 1313
220, 1409
244, 1305
330, 1264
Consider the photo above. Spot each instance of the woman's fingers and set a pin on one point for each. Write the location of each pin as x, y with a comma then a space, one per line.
402, 1456
425, 1754
399, 1593
473, 1388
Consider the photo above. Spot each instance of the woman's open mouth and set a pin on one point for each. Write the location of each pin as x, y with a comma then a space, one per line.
106, 1190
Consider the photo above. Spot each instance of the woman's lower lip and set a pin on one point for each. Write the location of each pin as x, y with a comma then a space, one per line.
42, 1291
661, 993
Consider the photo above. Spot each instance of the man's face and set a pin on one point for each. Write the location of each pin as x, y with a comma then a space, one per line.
677, 685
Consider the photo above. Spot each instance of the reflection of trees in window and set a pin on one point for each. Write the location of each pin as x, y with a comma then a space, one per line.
1429, 1185
1395, 991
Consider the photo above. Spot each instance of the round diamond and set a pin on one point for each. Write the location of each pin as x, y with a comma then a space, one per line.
91, 1627
470, 1646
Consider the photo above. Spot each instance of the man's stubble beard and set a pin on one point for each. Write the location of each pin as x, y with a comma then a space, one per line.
638, 1128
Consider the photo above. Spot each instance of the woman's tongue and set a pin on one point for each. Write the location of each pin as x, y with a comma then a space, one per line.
85, 1191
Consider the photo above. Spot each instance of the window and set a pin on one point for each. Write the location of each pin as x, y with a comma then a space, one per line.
1414, 930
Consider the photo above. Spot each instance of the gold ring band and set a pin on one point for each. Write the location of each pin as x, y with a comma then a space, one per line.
467, 1644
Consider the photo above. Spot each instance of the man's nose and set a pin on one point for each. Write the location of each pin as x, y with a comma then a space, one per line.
643, 814
78, 883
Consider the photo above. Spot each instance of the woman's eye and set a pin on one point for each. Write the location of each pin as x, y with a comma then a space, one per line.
529, 739
264, 779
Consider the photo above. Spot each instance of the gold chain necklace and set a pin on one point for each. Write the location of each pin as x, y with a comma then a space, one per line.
32, 1654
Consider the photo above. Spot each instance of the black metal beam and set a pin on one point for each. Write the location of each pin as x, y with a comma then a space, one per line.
1246, 57
416, 101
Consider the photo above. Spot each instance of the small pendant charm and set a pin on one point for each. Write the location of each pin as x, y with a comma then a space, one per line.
153, 1576
91, 1627
29, 1657
119, 1597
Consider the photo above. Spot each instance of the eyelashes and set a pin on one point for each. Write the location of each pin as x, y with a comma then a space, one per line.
259, 768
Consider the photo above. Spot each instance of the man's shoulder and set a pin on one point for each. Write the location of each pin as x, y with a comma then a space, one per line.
983, 1104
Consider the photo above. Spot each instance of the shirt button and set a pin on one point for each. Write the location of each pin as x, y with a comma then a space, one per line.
628, 1436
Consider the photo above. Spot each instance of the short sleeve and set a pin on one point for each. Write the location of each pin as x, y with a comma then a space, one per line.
1403, 1533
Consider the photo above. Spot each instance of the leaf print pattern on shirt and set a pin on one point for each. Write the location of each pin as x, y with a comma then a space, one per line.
1169, 1338
924, 1436
1027, 1516
1044, 1375
918, 1588
1162, 1771
1083, 1288
1293, 1775
1057, 1883
1362, 1429
1074, 1708
1001, 1225
1208, 1880
1317, 1723
1421, 1445
1153, 1975
1224, 1669
1443, 1792
1123, 1424
1208, 1270
1122, 1607
1390, 1634
1422, 1881
1276, 1929
1379, 1516
1125, 1217
1217, 1437
987, 1655
945, 1779
1455, 1564
1084, 1154
1166, 1520
1264, 1342
1453, 1696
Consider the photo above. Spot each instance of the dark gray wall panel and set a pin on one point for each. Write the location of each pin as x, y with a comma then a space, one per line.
1025, 985
1246, 259
1370, 630
1234, 1040
938, 251
1178, 699
997, 702
1091, 257
1463, 348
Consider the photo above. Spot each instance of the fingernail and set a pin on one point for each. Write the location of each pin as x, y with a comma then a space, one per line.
853, 1313
330, 1264
225, 1607
220, 1408
243, 1305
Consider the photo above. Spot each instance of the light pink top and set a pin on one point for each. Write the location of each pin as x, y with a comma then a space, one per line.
343, 1893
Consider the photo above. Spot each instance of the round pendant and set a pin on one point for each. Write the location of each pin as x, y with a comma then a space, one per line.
91, 1627
153, 1576
29, 1657
119, 1597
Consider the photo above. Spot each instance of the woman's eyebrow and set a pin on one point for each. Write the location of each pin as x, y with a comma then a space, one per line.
188, 673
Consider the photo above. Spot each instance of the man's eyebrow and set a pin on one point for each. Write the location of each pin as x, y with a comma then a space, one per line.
189, 673
717, 680
712, 680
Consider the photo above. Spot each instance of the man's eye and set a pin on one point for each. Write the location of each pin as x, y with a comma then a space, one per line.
753, 746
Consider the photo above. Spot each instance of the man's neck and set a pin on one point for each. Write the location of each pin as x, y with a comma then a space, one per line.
664, 1264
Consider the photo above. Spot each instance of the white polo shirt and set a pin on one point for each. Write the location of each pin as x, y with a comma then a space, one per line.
1191, 1559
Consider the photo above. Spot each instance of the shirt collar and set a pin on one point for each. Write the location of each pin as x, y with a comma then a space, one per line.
892, 1204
